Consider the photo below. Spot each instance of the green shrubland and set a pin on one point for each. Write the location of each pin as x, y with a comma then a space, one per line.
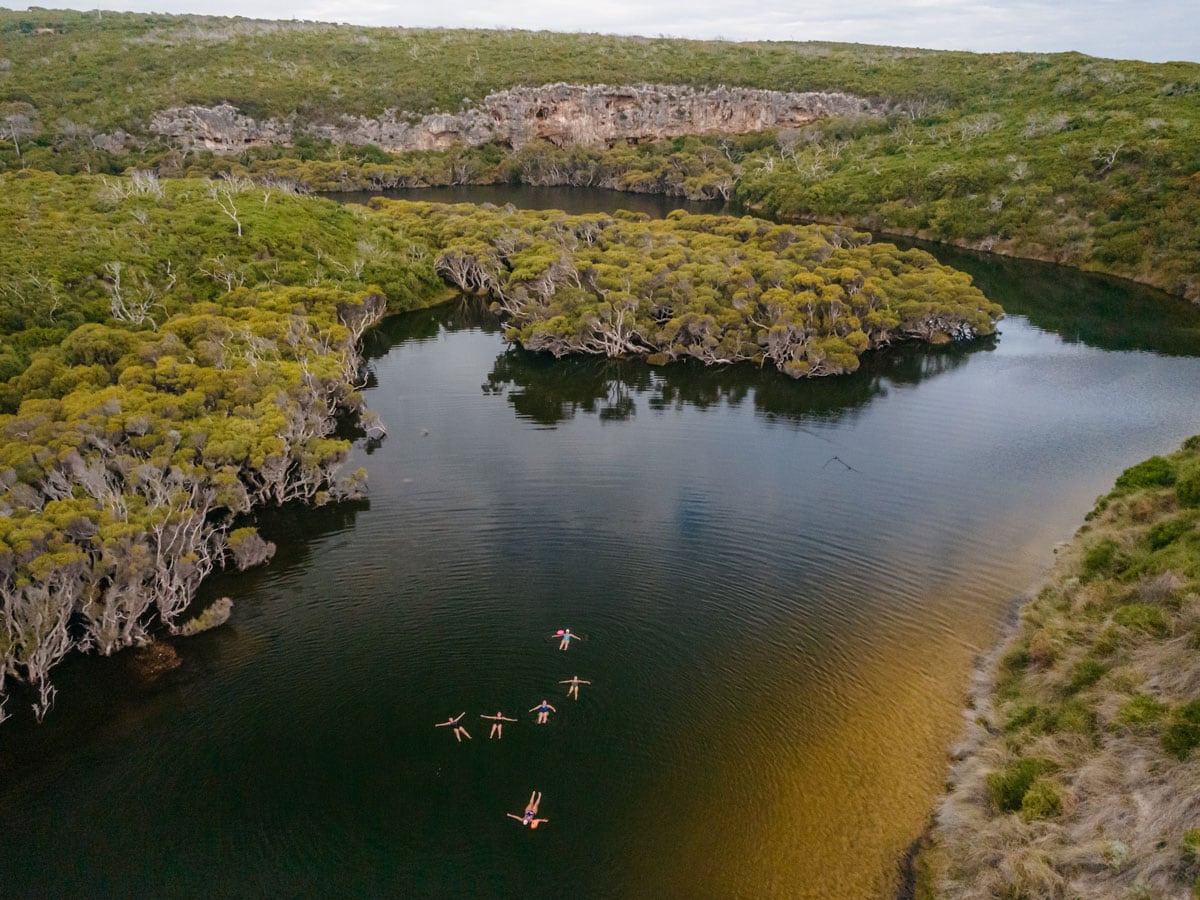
175, 356
1083, 161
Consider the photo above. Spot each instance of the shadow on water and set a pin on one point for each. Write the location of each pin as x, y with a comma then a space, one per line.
549, 391
459, 314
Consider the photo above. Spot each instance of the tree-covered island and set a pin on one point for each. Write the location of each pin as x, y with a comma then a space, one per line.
807, 300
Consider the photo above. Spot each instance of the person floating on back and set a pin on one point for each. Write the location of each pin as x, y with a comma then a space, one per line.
574, 681
530, 818
543, 712
565, 637
459, 731
498, 721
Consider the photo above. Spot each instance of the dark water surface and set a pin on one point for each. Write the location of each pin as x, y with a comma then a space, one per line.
781, 586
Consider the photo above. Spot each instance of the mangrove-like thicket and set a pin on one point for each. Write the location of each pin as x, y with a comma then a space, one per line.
175, 355
806, 300
1079, 775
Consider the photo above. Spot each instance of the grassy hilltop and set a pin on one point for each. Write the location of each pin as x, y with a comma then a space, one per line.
1093, 163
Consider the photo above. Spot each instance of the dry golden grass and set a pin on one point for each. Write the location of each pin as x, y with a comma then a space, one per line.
1066, 721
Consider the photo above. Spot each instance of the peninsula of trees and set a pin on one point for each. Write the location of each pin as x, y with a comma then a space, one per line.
1077, 160
174, 355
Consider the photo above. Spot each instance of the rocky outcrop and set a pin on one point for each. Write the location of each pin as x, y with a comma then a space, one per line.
565, 114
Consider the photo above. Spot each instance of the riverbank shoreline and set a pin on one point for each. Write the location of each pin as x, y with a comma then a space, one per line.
1083, 720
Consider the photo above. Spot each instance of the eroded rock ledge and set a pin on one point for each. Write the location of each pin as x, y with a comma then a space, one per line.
565, 114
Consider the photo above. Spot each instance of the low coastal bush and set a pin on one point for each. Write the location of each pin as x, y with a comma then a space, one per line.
1041, 801
1012, 666
1103, 558
1087, 672
1187, 486
1108, 641
1191, 845
1096, 692
1074, 717
1165, 533
1031, 716
1182, 735
1007, 788
1154, 472
1143, 617
1141, 713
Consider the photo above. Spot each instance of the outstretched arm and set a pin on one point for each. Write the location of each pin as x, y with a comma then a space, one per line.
535, 708
552, 707
511, 816
443, 724
506, 719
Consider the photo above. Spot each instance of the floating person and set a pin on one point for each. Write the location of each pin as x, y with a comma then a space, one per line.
498, 721
543, 712
530, 818
459, 731
565, 637
574, 681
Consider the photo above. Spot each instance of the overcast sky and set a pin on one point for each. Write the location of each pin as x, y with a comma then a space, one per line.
1154, 30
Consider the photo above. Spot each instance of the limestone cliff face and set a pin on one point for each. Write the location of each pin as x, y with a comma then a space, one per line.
565, 114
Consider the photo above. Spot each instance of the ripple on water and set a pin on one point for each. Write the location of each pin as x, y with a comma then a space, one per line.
777, 643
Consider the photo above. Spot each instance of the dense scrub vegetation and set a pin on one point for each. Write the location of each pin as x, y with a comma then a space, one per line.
1087, 162
137, 250
1085, 756
176, 355
805, 300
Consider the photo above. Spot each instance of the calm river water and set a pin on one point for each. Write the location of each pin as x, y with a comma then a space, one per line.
780, 586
